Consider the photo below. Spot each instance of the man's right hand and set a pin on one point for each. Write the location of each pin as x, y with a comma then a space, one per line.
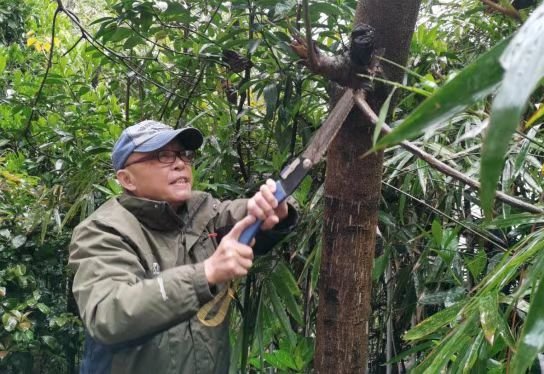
231, 259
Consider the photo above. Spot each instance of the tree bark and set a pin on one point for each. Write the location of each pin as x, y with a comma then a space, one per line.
352, 195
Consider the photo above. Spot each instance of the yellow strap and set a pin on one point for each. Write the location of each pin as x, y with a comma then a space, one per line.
224, 297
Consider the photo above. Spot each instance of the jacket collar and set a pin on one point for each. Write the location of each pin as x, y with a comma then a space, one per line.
159, 215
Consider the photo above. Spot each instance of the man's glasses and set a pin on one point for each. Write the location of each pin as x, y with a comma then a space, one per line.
167, 157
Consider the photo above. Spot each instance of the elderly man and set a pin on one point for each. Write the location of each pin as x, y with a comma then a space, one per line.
145, 262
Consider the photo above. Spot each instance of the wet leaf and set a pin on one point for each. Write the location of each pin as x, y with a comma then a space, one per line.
448, 348
5, 233
9, 321
470, 357
522, 61
18, 241
434, 322
487, 307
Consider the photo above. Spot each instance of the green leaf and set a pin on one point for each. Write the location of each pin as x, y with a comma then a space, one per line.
51, 342
3, 63
283, 7
271, 99
379, 264
522, 61
515, 220
132, 42
120, 34
532, 337
469, 359
280, 359
383, 114
476, 264
447, 348
281, 315
43, 308
434, 322
472, 84
530, 122
287, 289
175, 9
436, 229
488, 310
9, 321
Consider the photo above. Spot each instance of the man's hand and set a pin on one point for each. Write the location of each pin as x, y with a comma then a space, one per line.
264, 206
231, 259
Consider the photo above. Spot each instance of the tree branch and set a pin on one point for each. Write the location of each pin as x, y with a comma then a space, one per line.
115, 56
439, 165
348, 68
313, 62
510, 12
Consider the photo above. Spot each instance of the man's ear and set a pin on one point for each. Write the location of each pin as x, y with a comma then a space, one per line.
126, 179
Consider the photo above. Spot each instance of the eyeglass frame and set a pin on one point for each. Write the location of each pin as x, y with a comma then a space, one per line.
186, 155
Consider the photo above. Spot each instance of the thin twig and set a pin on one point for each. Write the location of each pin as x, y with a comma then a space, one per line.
73, 46
193, 89
439, 165
26, 129
437, 211
127, 103
115, 56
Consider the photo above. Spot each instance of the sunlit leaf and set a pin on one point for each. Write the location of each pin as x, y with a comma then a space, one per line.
532, 120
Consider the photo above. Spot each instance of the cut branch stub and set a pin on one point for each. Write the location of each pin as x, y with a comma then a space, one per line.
347, 67
362, 45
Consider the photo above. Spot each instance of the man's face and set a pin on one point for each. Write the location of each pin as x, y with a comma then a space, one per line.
155, 180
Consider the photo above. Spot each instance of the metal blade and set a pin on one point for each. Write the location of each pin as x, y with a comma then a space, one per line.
327, 132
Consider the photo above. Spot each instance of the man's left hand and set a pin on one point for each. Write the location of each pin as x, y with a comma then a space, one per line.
264, 206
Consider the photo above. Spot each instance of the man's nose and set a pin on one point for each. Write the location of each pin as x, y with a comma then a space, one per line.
179, 163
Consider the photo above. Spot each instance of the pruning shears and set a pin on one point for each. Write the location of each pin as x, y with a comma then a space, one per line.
293, 174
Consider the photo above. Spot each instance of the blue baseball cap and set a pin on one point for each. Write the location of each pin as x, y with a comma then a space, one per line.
148, 136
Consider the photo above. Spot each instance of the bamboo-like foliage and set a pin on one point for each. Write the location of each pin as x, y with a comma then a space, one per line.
452, 292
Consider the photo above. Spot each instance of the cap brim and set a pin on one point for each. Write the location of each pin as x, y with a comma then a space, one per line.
189, 137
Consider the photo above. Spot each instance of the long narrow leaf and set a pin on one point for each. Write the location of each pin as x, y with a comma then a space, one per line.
532, 338
522, 61
434, 322
472, 84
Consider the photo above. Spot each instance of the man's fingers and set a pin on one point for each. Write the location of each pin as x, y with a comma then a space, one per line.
267, 191
270, 222
271, 184
240, 226
244, 251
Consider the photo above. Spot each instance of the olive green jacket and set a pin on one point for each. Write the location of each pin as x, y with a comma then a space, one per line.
139, 281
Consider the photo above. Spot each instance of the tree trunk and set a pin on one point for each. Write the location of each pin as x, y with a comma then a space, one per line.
352, 195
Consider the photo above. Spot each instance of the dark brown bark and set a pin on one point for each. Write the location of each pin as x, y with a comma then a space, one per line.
352, 195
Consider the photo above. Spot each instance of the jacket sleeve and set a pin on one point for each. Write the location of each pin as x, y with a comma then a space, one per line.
116, 301
231, 212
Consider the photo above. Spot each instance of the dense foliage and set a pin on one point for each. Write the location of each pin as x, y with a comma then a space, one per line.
73, 76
